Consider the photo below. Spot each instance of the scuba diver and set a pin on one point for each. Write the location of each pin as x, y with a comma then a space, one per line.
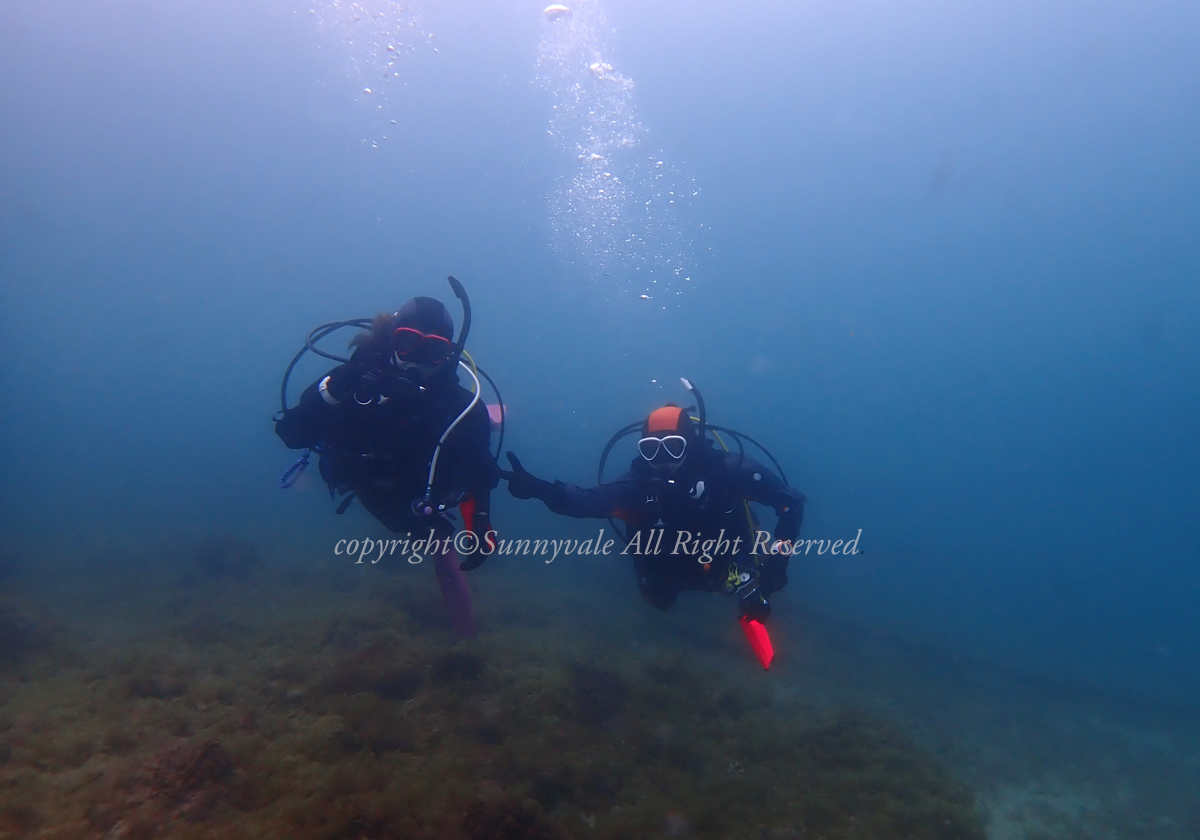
685, 507
394, 428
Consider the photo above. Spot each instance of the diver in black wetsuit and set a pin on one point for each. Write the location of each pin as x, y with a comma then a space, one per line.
681, 483
393, 426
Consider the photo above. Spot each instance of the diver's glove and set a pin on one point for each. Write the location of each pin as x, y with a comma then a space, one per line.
365, 383
377, 384
340, 383
754, 606
485, 541
524, 485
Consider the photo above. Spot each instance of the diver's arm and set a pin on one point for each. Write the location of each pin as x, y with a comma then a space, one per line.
759, 484
570, 499
590, 502
302, 427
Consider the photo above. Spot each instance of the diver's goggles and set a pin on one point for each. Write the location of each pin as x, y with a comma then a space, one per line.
675, 446
433, 349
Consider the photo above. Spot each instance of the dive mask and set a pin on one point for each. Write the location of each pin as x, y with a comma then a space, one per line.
416, 347
674, 445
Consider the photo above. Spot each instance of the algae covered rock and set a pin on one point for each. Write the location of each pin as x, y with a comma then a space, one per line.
599, 693
505, 821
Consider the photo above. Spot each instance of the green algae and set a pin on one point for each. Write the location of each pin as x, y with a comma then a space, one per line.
263, 705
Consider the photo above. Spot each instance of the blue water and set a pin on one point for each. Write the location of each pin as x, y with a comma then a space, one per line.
942, 260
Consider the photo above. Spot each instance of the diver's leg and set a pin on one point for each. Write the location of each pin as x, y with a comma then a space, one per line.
455, 593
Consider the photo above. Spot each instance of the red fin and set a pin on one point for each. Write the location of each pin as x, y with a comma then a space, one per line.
467, 508
756, 634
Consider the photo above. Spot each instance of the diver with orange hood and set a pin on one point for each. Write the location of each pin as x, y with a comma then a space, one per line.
682, 493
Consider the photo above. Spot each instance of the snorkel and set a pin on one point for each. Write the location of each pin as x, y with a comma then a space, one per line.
461, 294
703, 418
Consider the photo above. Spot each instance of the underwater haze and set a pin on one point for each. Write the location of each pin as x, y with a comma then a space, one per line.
942, 259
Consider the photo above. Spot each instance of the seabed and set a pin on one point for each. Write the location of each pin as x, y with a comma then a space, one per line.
221, 696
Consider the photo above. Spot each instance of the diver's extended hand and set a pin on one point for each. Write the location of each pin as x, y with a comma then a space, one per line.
523, 484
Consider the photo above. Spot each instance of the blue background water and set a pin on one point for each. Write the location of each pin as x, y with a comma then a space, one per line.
948, 272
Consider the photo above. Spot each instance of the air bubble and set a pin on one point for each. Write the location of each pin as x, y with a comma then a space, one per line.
374, 33
617, 220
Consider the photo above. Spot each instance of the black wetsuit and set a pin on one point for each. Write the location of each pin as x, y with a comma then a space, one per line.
705, 496
381, 450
